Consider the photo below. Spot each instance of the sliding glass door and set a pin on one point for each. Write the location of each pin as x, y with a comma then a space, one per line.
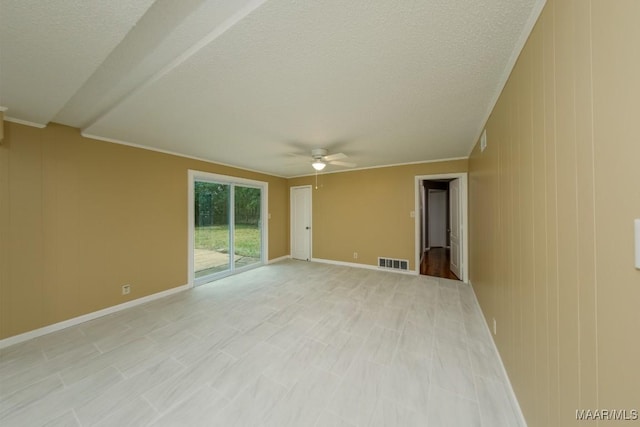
247, 222
212, 235
226, 233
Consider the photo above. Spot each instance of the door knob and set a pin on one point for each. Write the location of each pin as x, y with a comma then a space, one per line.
307, 228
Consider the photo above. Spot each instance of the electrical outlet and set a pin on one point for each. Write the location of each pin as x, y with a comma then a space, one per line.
495, 327
126, 289
355, 255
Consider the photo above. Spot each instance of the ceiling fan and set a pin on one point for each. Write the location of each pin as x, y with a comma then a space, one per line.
320, 158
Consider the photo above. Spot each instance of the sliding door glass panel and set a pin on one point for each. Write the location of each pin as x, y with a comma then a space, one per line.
247, 226
212, 239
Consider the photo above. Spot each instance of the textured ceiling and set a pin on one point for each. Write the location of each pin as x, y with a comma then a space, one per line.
246, 82
49, 48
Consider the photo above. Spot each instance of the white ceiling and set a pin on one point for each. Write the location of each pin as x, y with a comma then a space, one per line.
245, 82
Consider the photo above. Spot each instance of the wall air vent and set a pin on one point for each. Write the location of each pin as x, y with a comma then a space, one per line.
393, 264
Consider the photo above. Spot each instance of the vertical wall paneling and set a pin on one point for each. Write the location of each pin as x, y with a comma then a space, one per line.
79, 218
585, 204
567, 207
539, 274
551, 212
616, 91
561, 171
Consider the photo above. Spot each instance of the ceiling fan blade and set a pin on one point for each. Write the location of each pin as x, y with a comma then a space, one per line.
301, 156
344, 164
332, 157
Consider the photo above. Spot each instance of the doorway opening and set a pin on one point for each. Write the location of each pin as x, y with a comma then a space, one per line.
441, 226
226, 235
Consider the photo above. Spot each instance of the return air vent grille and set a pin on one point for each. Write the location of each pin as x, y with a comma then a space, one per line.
394, 264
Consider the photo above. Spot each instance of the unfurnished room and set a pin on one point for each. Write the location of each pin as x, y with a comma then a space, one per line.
319, 213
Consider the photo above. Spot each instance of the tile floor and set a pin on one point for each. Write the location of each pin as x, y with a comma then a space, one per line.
289, 344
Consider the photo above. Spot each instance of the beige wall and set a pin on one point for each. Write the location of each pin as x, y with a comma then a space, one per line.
79, 218
552, 203
367, 211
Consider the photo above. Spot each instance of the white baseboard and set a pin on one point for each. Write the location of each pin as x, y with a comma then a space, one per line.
365, 266
282, 258
504, 370
16, 339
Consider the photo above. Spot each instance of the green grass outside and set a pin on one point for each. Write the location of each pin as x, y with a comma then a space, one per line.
216, 238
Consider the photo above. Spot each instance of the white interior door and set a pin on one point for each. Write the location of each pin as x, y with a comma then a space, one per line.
301, 223
455, 223
437, 218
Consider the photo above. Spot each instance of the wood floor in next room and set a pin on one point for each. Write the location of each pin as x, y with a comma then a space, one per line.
289, 344
436, 262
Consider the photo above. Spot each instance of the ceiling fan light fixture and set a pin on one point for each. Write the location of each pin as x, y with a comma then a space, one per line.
318, 165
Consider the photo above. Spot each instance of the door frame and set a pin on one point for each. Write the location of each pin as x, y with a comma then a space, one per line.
196, 175
291, 235
464, 232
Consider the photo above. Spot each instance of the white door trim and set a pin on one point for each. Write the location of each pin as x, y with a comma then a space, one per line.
291, 232
464, 233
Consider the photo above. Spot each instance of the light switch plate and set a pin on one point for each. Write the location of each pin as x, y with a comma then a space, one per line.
483, 140
637, 222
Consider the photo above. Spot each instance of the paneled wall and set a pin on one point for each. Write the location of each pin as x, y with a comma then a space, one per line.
552, 203
80, 217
